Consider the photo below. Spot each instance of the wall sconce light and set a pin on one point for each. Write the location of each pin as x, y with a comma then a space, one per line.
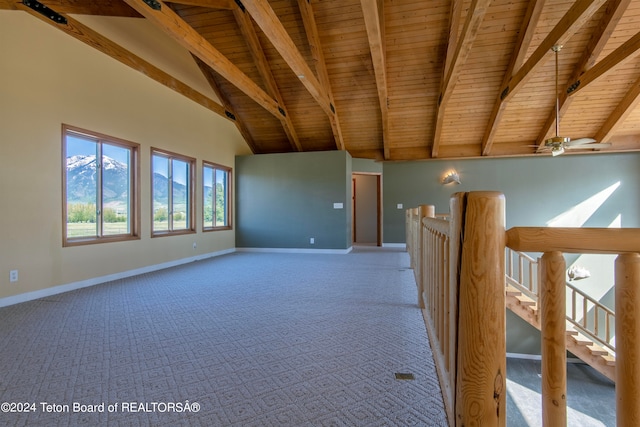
578, 273
451, 176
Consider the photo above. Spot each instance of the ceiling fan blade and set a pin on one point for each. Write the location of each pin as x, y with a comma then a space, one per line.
579, 141
594, 145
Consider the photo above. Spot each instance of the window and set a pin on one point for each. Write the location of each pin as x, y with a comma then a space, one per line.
100, 186
216, 195
172, 193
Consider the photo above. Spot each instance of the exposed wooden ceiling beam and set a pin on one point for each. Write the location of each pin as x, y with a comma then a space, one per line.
82, 7
630, 101
190, 39
525, 35
569, 24
455, 15
211, 78
309, 22
213, 4
251, 38
614, 10
267, 20
625, 52
475, 15
373, 18
94, 39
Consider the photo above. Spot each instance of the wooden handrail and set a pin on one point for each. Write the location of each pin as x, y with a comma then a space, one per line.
530, 287
583, 326
574, 240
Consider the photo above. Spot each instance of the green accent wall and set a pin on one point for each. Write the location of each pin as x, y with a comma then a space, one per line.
537, 189
284, 200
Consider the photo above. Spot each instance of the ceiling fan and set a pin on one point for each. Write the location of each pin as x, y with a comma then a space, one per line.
558, 144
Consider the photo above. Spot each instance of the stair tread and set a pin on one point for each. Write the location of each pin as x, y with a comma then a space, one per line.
596, 350
609, 360
581, 339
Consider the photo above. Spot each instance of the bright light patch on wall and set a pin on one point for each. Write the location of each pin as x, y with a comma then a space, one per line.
580, 213
616, 223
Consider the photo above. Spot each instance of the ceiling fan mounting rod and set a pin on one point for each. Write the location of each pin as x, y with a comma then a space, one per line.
557, 142
556, 48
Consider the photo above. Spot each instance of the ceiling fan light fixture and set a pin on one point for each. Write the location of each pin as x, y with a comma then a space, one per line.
556, 151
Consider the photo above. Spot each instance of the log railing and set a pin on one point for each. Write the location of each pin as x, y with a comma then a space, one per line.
460, 273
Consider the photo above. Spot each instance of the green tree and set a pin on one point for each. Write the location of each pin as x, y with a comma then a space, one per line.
161, 214
81, 212
110, 215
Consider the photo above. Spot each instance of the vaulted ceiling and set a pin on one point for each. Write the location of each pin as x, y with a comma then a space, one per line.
395, 79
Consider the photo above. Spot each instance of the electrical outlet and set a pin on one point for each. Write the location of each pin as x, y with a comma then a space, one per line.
195, 245
312, 240
13, 276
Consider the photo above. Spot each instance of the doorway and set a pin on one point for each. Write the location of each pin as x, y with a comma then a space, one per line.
366, 209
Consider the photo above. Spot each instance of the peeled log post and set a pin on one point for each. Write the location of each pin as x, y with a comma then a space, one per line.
627, 279
553, 331
481, 374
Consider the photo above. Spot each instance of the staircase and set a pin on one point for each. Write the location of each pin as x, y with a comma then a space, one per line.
581, 341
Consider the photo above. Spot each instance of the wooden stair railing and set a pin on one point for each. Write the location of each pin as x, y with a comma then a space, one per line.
460, 274
582, 339
553, 242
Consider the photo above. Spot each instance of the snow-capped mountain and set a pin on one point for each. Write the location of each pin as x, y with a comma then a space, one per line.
81, 181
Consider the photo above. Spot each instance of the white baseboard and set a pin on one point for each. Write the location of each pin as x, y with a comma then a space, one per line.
42, 293
538, 357
297, 250
394, 245
524, 356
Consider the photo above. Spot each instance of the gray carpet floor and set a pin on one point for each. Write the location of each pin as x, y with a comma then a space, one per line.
247, 339
591, 398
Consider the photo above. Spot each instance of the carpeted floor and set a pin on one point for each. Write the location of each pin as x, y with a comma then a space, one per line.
247, 339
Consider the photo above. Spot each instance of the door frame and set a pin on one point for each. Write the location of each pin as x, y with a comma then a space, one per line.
378, 205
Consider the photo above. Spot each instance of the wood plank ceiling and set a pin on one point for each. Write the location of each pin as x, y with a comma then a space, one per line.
397, 79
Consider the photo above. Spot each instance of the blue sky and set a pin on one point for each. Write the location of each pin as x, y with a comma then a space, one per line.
81, 146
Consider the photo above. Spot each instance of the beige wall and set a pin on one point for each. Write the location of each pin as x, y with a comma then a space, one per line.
46, 79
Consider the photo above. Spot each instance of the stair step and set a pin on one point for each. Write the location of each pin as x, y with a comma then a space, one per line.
581, 340
596, 350
522, 299
513, 292
609, 360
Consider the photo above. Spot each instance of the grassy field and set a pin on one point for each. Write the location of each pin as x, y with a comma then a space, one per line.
87, 229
